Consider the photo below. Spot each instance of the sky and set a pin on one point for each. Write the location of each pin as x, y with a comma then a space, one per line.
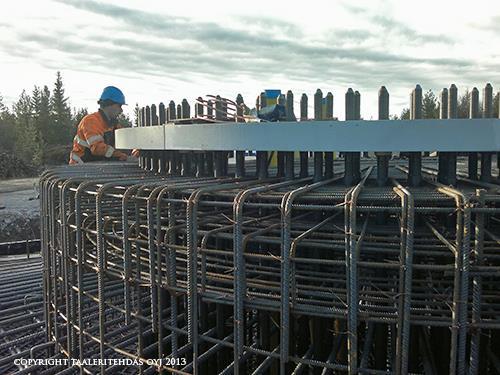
157, 51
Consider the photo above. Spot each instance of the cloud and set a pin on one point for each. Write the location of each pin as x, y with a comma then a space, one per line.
156, 57
140, 44
390, 25
213, 35
491, 25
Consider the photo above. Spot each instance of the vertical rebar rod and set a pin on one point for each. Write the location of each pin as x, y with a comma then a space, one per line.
461, 280
179, 112
451, 157
477, 288
240, 155
352, 242
487, 113
289, 155
155, 160
415, 158
383, 157
357, 155
405, 278
329, 154
147, 161
163, 158
498, 111
210, 109
318, 156
408, 281
186, 109
154, 115
199, 108
261, 156
210, 155
472, 166
262, 162
280, 155
142, 122
280, 163
349, 157
100, 274
286, 246
162, 114
304, 162
171, 111
219, 155
442, 156
80, 253
199, 156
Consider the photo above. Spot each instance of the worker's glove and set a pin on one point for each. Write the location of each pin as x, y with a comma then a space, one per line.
136, 152
119, 155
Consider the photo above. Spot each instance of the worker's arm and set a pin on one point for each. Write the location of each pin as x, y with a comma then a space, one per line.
98, 147
135, 152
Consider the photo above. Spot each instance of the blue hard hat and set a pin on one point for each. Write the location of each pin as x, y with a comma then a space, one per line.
114, 94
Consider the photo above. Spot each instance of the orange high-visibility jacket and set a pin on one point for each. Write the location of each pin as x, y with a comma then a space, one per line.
89, 142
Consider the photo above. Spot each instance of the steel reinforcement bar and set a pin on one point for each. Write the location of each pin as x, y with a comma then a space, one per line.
276, 275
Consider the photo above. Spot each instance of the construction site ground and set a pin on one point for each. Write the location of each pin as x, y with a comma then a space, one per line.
19, 210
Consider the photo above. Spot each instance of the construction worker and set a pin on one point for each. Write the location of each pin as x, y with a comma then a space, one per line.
94, 139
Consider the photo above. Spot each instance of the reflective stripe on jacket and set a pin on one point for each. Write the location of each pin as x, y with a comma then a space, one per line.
94, 139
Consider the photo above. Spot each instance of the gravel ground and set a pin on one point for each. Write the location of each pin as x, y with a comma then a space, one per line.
19, 210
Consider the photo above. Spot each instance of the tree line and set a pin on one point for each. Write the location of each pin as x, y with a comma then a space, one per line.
40, 126
431, 106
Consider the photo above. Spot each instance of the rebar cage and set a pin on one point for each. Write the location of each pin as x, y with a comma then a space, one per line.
270, 275
210, 261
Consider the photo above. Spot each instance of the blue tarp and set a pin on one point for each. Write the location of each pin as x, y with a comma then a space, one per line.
272, 113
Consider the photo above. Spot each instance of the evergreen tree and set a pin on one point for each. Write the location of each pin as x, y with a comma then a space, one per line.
44, 112
36, 97
3, 108
40, 101
22, 111
40, 121
78, 115
464, 105
62, 131
405, 114
430, 107
7, 130
29, 144
124, 120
